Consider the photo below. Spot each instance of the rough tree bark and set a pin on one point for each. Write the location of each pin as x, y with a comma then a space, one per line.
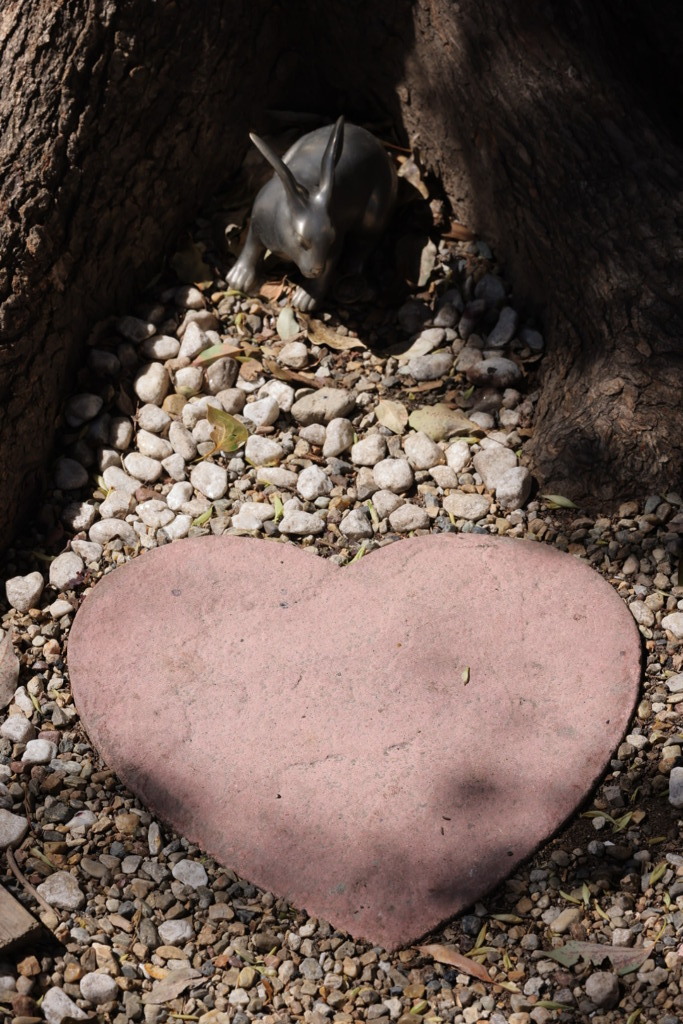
555, 128
553, 135
117, 117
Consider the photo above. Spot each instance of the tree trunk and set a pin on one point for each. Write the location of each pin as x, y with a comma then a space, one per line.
553, 126
118, 117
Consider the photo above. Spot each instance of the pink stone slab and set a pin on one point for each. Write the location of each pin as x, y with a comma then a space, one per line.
313, 729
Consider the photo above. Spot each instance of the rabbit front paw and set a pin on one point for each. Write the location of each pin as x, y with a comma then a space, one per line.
241, 277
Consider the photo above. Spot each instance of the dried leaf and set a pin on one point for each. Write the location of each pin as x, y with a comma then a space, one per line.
251, 369
585, 894
454, 958
440, 421
558, 501
411, 172
466, 679
421, 346
507, 918
210, 355
623, 958
171, 986
283, 373
9, 669
272, 290
392, 415
228, 433
188, 263
287, 325
320, 334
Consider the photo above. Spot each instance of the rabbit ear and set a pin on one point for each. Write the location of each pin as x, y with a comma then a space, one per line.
296, 192
330, 159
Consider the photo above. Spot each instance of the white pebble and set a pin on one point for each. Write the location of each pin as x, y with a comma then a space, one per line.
153, 446
188, 381
674, 623
263, 412
142, 467
385, 502
79, 515
263, 451
409, 517
338, 437
117, 505
178, 495
152, 383
313, 483
232, 400
277, 477
180, 527
59, 608
676, 787
65, 570
39, 752
491, 463
313, 434
394, 475
369, 451
422, 452
301, 524
181, 441
209, 480
444, 476
356, 525
107, 529
431, 367
88, 551
117, 480
467, 506
513, 487
175, 467
294, 355
194, 341
177, 930
98, 988
221, 375
17, 729
13, 828
121, 432
281, 392
62, 890
189, 297
152, 418
155, 513
23, 592
190, 873
161, 346
57, 1006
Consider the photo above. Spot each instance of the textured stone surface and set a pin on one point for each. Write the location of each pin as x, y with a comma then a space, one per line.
428, 715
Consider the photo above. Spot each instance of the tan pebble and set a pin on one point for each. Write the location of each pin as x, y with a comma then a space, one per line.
72, 973
247, 978
127, 823
174, 404
29, 967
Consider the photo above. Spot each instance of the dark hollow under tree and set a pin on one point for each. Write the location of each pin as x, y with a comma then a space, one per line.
553, 126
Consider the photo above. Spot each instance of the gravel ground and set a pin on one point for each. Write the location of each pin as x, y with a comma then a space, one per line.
147, 927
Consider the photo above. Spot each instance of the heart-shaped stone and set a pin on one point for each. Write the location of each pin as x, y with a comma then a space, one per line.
380, 744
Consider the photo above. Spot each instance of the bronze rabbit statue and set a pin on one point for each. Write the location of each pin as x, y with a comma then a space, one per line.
335, 183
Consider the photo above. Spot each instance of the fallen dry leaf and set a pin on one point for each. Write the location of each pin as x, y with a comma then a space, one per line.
284, 373
272, 290
454, 958
320, 334
210, 355
440, 422
623, 958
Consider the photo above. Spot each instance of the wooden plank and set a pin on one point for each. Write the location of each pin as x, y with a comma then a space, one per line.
16, 924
